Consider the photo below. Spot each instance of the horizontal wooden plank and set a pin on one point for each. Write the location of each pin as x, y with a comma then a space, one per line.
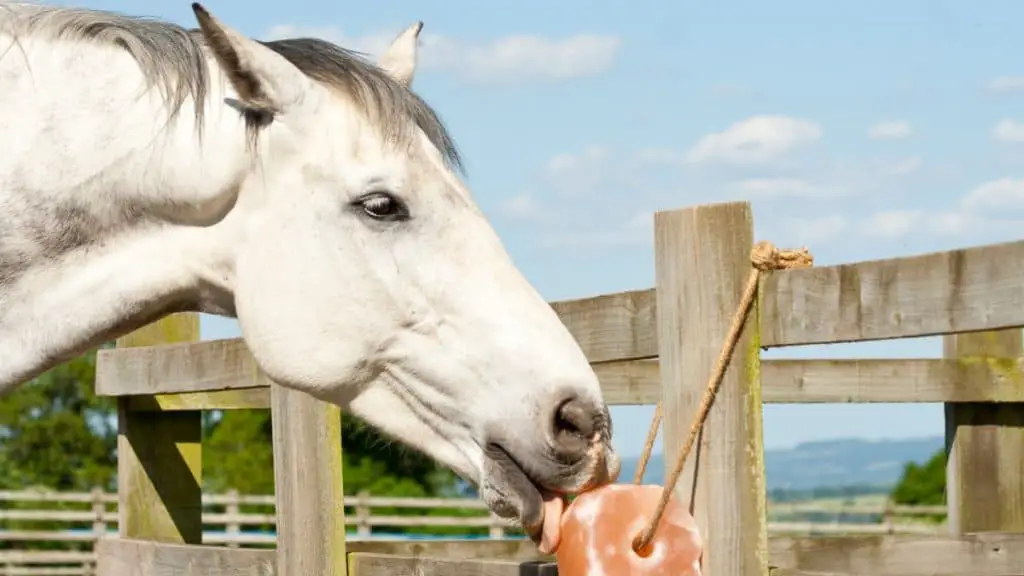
520, 550
843, 381
237, 399
177, 368
939, 555
633, 382
119, 557
967, 290
122, 557
612, 327
361, 564
989, 554
897, 380
225, 376
621, 326
629, 382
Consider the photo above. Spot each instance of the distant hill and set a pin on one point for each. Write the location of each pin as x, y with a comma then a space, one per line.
828, 463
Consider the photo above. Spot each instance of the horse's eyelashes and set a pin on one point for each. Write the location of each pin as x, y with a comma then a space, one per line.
384, 206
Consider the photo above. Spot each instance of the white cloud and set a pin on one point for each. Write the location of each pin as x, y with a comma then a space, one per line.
892, 223
779, 188
664, 156
1008, 130
1002, 194
890, 130
637, 230
566, 163
506, 60
902, 167
580, 174
952, 222
1006, 84
756, 140
523, 207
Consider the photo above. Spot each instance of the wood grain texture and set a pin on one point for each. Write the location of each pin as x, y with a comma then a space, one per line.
228, 368
116, 557
389, 565
899, 380
994, 554
985, 442
964, 290
521, 550
974, 555
179, 368
617, 326
234, 399
629, 382
308, 484
702, 262
159, 456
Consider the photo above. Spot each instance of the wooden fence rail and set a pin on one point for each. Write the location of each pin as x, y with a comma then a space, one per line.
225, 525
228, 524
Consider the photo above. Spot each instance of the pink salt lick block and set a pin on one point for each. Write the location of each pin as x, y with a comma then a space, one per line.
599, 527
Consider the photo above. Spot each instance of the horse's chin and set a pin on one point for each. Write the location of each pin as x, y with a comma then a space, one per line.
510, 492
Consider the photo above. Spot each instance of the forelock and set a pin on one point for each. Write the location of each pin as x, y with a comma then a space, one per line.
393, 107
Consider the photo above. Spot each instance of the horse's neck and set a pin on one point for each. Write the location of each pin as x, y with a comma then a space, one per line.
97, 194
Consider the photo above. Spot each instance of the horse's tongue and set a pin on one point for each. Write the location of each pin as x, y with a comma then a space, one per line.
554, 506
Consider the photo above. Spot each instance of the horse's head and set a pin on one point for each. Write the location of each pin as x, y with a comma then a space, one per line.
368, 277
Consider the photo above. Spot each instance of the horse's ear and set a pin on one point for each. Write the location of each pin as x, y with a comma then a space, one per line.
400, 59
264, 79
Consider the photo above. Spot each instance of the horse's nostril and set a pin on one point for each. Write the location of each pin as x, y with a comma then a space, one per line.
575, 420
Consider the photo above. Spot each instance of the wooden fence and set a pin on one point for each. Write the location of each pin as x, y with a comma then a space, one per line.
76, 521
646, 346
90, 516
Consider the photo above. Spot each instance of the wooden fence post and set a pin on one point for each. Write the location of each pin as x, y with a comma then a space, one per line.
233, 510
702, 262
888, 517
159, 455
497, 528
363, 527
985, 441
99, 511
308, 485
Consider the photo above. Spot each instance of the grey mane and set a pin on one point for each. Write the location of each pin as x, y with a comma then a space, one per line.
174, 60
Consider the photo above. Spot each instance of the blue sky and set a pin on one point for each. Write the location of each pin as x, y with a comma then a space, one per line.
862, 129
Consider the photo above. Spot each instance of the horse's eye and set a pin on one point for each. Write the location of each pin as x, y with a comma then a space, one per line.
383, 206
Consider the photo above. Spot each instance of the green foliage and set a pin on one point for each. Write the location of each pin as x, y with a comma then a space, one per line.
56, 435
238, 454
55, 431
923, 484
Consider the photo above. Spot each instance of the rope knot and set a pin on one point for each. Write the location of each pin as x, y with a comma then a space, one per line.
766, 257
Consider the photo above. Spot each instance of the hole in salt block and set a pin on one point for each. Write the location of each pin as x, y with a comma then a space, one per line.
643, 551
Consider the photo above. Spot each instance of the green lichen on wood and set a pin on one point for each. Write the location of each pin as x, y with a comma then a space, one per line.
754, 421
1007, 369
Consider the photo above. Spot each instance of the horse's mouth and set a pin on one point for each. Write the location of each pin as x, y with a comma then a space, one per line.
512, 491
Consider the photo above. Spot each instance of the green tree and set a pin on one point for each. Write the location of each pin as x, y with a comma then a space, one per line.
55, 432
238, 454
923, 484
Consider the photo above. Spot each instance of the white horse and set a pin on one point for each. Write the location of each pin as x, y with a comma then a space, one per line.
147, 169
